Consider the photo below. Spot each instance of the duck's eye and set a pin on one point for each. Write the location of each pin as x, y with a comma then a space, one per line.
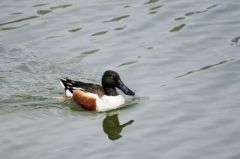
112, 77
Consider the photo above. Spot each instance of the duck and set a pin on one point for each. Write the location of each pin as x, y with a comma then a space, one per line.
97, 97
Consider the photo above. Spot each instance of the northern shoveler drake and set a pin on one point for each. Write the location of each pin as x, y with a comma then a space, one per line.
95, 97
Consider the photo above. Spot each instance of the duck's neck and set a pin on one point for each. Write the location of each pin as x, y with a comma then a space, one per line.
111, 91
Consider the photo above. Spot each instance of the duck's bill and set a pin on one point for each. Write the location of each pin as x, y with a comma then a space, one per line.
125, 89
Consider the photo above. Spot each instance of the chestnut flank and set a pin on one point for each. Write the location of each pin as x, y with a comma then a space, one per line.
84, 100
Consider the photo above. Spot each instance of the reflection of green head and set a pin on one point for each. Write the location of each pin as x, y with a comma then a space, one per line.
112, 127
112, 137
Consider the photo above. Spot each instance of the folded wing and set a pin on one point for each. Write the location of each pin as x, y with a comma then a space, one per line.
70, 86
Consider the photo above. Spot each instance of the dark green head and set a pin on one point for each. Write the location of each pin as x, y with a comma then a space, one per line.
111, 80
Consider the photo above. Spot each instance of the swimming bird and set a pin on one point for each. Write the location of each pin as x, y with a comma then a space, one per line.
95, 97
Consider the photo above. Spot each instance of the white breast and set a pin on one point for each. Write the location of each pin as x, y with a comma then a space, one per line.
106, 103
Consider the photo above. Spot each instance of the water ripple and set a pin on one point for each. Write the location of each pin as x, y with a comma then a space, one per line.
61, 6
43, 12
19, 20
177, 28
99, 33
151, 1
74, 30
116, 19
236, 40
205, 68
127, 63
40, 4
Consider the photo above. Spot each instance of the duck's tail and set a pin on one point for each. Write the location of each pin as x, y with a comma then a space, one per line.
67, 84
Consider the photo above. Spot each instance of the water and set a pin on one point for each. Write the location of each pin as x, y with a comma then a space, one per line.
180, 57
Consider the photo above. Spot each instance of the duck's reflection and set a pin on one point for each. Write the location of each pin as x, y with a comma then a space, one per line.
112, 127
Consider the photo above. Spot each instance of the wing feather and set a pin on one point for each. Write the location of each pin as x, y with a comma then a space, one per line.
72, 85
